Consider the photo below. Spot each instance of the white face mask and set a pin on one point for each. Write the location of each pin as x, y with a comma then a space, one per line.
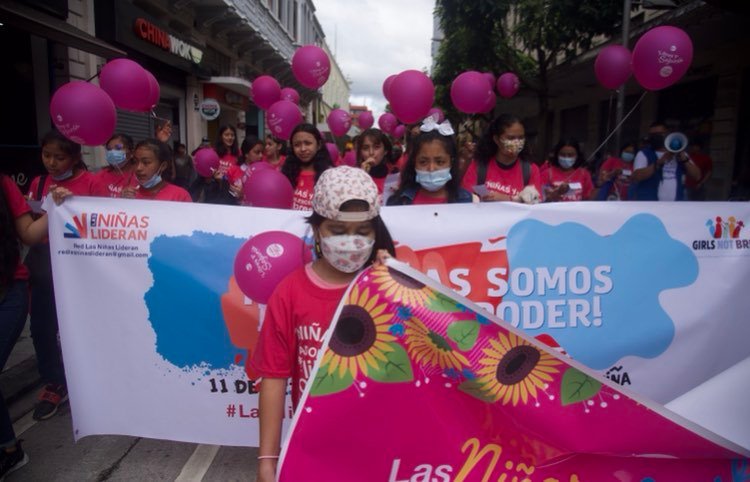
347, 253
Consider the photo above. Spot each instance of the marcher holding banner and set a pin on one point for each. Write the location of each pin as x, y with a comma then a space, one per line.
348, 233
152, 157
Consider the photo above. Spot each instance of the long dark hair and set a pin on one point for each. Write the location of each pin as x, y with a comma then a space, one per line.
247, 145
383, 239
69, 147
487, 147
322, 160
219, 146
409, 172
377, 136
568, 141
9, 249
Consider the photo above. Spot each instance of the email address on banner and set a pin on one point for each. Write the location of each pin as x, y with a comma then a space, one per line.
102, 254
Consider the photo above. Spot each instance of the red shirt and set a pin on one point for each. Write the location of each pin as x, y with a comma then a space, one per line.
226, 162
82, 184
18, 207
579, 182
623, 180
297, 318
422, 198
115, 181
278, 165
303, 192
169, 192
704, 163
508, 181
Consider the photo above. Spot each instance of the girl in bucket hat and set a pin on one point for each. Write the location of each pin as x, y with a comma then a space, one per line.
349, 234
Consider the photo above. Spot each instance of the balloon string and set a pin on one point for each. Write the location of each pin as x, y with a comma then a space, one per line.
617, 127
92, 77
609, 111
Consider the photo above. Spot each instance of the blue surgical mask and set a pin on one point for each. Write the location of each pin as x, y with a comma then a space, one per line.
434, 180
152, 182
65, 175
116, 157
566, 162
627, 156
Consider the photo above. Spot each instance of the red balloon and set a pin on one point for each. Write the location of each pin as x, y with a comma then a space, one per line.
290, 94
154, 92
339, 121
661, 57
491, 102
470, 92
206, 161
265, 91
437, 113
282, 117
387, 122
365, 120
83, 113
412, 95
268, 188
311, 66
612, 66
508, 85
490, 78
387, 86
398, 131
127, 83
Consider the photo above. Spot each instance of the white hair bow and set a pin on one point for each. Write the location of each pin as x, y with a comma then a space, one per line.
429, 124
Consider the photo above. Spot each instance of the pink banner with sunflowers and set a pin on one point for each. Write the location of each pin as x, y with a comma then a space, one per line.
415, 385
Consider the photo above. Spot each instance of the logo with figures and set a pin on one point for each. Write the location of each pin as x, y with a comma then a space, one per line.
723, 234
119, 226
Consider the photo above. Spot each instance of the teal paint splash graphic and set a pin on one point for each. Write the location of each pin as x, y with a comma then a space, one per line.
645, 261
184, 304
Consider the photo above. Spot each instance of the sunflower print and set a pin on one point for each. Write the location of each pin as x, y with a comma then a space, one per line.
512, 369
400, 288
361, 337
429, 348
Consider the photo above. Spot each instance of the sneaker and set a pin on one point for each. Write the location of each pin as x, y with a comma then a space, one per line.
12, 461
49, 399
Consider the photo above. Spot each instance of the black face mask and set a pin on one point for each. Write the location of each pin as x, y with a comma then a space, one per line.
656, 141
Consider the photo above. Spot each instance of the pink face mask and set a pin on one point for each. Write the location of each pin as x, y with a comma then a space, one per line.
347, 253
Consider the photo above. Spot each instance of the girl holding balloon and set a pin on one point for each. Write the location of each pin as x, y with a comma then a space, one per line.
432, 173
251, 152
502, 170
120, 171
304, 166
374, 152
152, 157
349, 234
565, 178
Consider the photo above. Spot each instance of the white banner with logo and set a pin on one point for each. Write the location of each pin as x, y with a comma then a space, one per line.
156, 333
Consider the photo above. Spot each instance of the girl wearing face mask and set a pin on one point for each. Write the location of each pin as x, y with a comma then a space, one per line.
66, 175
152, 157
502, 170
614, 174
348, 234
307, 162
431, 175
119, 172
566, 179
374, 151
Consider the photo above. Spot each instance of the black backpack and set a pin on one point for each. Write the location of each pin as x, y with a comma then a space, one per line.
482, 172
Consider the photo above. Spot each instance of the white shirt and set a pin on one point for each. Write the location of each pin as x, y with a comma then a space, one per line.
668, 185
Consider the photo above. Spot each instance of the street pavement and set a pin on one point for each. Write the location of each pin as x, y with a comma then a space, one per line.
54, 456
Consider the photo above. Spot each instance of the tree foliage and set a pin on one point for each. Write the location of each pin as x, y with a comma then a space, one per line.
524, 36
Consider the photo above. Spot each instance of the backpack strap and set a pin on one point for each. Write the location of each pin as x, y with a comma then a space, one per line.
481, 173
40, 187
526, 170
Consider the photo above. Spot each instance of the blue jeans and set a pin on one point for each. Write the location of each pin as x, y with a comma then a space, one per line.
13, 310
44, 328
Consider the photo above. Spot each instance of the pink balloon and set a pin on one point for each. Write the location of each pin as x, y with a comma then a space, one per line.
268, 188
470, 91
437, 113
387, 86
508, 85
83, 113
333, 151
612, 66
387, 122
398, 131
490, 78
339, 121
206, 161
266, 259
290, 94
661, 57
365, 120
311, 66
412, 95
282, 117
127, 83
265, 91
154, 92
490, 105
350, 159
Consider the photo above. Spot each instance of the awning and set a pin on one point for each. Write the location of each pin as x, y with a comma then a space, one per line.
235, 84
39, 23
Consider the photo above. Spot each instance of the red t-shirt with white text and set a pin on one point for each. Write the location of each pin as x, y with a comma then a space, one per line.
115, 181
579, 182
297, 317
169, 192
303, 192
421, 199
18, 207
82, 184
503, 180
622, 182
226, 162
